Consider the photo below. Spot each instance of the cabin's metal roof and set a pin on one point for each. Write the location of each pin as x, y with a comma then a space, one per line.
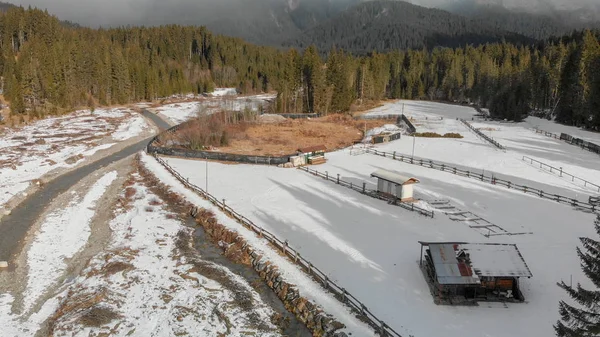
394, 177
484, 260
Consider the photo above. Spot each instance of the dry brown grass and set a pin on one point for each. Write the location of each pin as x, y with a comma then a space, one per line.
116, 267
334, 132
98, 316
130, 192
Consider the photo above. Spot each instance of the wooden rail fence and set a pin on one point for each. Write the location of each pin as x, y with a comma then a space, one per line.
579, 205
560, 172
483, 135
340, 293
364, 190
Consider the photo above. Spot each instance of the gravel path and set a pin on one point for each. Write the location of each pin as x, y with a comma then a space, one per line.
14, 227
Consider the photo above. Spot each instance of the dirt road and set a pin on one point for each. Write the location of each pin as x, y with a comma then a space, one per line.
14, 227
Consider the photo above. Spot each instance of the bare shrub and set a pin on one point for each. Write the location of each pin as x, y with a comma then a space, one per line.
98, 316
116, 267
130, 192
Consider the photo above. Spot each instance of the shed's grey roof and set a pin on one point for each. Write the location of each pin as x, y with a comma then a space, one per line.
485, 260
394, 177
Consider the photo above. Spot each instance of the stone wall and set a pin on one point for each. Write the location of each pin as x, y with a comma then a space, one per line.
236, 248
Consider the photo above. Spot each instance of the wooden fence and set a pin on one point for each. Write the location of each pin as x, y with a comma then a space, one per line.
547, 134
584, 145
580, 205
340, 293
560, 172
483, 135
364, 190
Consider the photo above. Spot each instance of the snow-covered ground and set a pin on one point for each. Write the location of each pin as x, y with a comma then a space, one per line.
63, 233
290, 272
181, 112
474, 152
31, 152
140, 285
371, 248
551, 126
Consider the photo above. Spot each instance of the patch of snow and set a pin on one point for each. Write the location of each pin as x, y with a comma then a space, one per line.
92, 151
387, 128
132, 128
62, 234
224, 92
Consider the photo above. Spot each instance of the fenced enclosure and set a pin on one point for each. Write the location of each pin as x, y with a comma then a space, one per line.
580, 143
483, 135
283, 246
364, 190
560, 172
579, 205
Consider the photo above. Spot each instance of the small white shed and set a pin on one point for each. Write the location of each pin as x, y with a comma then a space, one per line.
395, 184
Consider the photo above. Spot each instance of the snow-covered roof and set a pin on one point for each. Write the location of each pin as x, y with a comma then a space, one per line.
394, 177
484, 260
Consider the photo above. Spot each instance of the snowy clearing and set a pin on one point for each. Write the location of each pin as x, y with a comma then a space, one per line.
181, 112
290, 272
371, 248
33, 151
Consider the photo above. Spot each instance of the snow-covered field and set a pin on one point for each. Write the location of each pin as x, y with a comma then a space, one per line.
474, 152
181, 112
371, 248
31, 152
140, 285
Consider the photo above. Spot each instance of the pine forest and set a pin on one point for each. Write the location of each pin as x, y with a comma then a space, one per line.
49, 67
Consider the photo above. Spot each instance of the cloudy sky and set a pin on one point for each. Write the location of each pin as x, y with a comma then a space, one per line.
122, 12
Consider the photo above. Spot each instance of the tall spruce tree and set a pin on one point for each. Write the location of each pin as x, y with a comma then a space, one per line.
583, 320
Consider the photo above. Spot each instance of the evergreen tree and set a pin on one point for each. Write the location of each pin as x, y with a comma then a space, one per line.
583, 320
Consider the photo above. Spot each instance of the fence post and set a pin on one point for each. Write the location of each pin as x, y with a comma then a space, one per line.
509, 183
351, 186
468, 174
364, 187
327, 175
561, 171
394, 155
310, 268
338, 179
285, 245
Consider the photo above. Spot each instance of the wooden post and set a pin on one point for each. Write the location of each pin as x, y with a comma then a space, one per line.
364, 187
285, 245
338, 179
394, 154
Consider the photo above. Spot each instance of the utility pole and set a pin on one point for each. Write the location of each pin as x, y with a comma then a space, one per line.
413, 152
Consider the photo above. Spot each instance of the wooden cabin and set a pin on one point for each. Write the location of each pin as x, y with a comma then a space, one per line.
395, 185
313, 155
467, 273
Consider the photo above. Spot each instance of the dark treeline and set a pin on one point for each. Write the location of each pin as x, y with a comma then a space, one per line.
49, 67
560, 77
